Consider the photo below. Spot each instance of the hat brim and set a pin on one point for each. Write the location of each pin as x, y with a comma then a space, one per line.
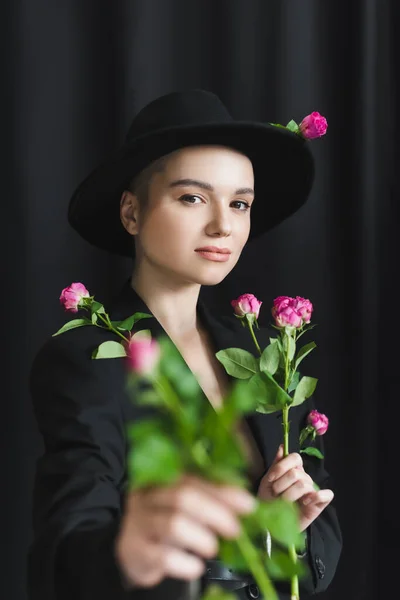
283, 174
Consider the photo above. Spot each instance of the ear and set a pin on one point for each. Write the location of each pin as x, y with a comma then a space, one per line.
129, 212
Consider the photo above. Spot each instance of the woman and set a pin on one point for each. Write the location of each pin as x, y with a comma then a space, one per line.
180, 197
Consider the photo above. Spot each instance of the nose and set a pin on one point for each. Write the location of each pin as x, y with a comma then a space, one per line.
219, 224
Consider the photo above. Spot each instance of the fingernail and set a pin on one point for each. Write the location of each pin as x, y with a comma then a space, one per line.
271, 477
306, 501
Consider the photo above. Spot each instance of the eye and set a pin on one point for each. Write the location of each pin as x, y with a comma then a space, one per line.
189, 198
245, 205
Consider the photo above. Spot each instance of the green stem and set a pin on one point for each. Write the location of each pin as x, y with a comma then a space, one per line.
107, 322
172, 401
252, 558
294, 581
254, 337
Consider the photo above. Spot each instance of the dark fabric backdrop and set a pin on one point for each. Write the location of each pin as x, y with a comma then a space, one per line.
74, 75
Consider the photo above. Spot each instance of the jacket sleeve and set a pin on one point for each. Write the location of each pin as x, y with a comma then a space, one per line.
324, 537
80, 478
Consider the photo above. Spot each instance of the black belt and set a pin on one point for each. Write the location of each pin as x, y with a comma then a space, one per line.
216, 570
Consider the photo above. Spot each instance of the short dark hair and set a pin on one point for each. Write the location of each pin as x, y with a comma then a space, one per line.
139, 184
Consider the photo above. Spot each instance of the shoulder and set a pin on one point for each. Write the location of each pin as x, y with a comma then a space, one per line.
64, 363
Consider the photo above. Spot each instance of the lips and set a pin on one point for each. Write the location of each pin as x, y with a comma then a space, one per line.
214, 249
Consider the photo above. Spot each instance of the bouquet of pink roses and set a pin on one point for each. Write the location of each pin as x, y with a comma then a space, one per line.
273, 377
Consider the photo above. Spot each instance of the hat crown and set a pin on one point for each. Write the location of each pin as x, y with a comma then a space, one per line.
179, 109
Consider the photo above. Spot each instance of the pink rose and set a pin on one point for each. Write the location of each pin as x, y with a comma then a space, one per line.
71, 296
143, 354
246, 304
304, 308
313, 126
318, 421
285, 313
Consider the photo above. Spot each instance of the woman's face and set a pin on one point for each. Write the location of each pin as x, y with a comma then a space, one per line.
200, 199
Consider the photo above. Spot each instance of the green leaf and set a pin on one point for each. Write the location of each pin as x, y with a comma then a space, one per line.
281, 518
304, 389
143, 397
276, 341
109, 349
230, 554
226, 474
269, 394
97, 307
294, 382
269, 360
292, 126
142, 334
73, 325
281, 567
153, 459
240, 400
238, 362
289, 345
129, 322
302, 353
311, 451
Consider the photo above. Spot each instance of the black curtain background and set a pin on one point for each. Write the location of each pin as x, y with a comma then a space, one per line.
75, 73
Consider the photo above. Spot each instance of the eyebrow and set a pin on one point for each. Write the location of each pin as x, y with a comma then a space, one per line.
206, 186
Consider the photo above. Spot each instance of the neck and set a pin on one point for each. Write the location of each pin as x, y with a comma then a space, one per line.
172, 303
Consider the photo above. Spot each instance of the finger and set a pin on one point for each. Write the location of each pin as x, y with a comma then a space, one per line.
292, 477
238, 499
319, 499
278, 455
181, 532
297, 491
181, 565
278, 469
199, 506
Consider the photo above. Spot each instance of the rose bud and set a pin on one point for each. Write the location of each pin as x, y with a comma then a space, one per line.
304, 308
313, 126
71, 297
285, 314
143, 354
318, 421
245, 305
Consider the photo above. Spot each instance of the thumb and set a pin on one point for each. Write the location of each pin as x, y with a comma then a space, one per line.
279, 455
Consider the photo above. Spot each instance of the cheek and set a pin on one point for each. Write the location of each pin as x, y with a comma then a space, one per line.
243, 231
164, 232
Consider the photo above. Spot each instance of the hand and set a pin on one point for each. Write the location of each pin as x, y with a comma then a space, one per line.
287, 479
167, 531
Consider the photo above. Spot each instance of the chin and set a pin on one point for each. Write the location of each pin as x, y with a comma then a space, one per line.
211, 278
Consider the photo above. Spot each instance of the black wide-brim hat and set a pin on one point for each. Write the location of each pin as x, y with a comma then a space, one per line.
282, 162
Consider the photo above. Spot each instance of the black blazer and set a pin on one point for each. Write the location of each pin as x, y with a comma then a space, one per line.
81, 408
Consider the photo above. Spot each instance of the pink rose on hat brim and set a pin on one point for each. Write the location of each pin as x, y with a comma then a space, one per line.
313, 126
246, 304
72, 296
318, 421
